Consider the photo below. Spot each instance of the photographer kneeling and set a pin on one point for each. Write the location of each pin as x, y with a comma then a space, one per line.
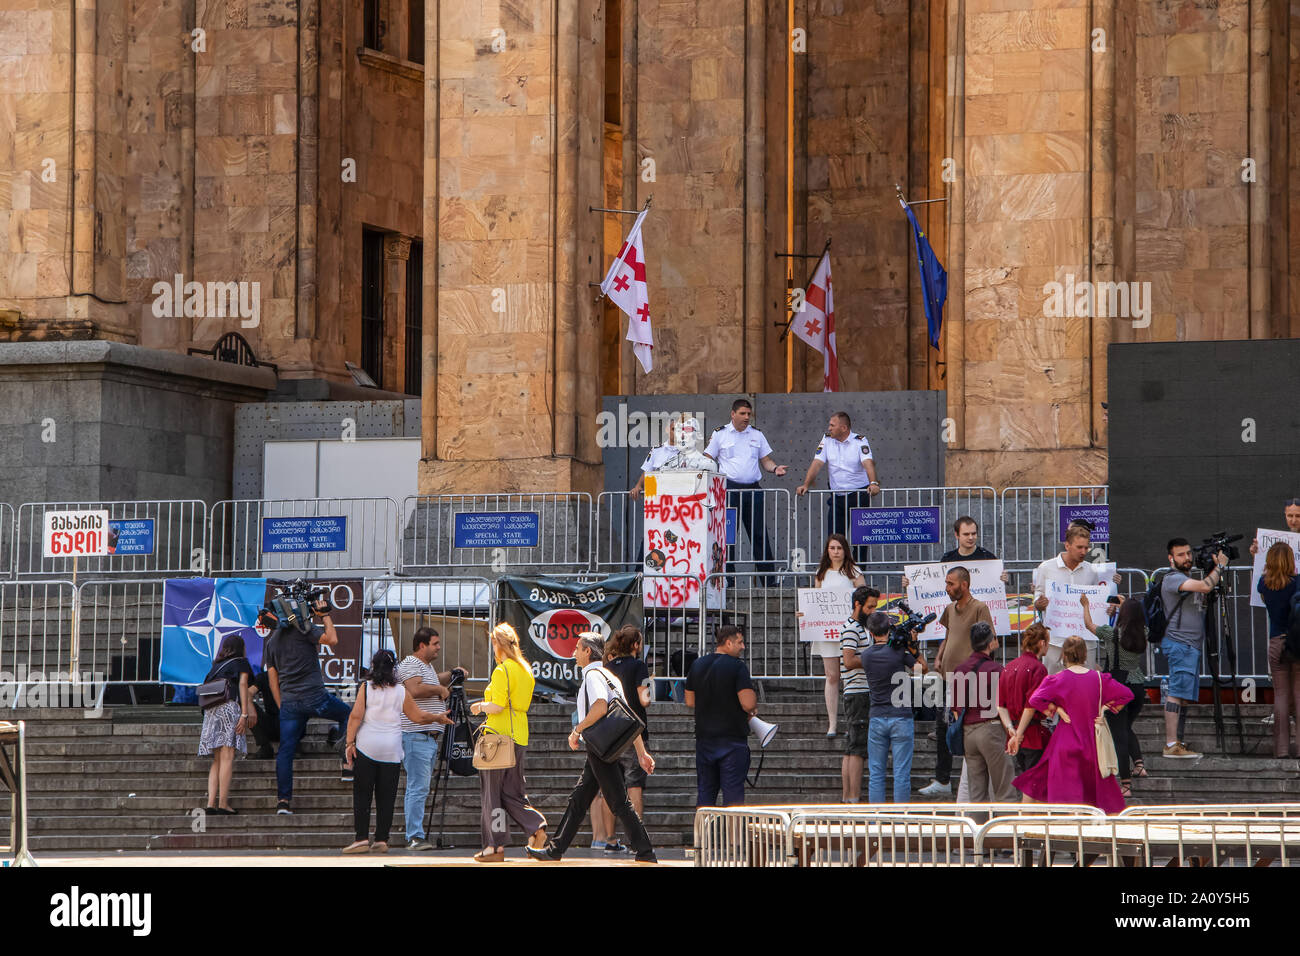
888, 663
293, 670
1183, 638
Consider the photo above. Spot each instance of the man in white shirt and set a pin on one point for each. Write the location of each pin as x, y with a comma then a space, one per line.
1068, 567
743, 454
598, 686
420, 742
851, 472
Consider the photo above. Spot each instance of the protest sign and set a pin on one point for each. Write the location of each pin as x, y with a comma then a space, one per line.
925, 593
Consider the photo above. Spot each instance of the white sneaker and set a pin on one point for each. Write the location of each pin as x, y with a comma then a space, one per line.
936, 789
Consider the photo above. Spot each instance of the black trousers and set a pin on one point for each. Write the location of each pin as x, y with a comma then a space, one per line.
838, 512
268, 715
747, 499
607, 779
378, 781
1127, 748
942, 758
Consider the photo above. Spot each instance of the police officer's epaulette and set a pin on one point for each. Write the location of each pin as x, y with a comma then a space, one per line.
720, 428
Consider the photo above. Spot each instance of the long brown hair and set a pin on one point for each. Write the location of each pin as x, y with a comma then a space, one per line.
1279, 566
848, 568
1131, 624
622, 643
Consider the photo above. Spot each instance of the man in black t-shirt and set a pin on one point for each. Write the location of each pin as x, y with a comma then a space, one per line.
721, 693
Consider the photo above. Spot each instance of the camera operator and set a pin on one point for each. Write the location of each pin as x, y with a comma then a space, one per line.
429, 689
887, 663
293, 669
1290, 514
1184, 636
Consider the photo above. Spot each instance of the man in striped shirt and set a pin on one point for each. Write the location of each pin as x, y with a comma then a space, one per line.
420, 742
857, 692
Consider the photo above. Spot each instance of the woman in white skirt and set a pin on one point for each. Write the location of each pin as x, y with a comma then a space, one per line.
225, 726
837, 572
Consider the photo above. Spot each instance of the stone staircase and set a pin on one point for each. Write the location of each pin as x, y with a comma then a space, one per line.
128, 780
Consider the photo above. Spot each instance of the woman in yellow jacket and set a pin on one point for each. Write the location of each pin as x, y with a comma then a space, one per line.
504, 791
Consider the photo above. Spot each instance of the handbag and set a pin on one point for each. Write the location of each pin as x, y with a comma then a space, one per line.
213, 693
955, 737
494, 751
608, 738
1107, 760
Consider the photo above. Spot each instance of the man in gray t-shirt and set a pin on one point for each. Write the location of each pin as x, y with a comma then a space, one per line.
1184, 600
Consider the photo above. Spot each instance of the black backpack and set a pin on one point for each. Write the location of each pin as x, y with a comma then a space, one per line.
1153, 608
459, 741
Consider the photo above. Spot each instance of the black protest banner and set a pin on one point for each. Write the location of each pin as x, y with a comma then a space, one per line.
549, 615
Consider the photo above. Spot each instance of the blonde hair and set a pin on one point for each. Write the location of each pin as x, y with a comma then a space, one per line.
503, 636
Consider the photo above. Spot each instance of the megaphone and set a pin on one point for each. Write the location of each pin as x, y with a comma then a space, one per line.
763, 729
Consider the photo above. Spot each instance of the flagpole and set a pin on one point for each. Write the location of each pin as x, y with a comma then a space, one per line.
819, 256
620, 212
789, 193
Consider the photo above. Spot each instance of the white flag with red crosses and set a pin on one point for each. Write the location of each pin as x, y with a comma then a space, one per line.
816, 323
626, 288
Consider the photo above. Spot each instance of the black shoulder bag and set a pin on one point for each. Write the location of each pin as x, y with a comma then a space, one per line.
608, 738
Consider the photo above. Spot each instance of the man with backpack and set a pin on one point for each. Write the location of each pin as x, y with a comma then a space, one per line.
1177, 624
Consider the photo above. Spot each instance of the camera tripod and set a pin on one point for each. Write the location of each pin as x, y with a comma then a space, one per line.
1218, 636
458, 711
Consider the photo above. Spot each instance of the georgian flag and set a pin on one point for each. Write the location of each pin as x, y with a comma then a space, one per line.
625, 286
816, 323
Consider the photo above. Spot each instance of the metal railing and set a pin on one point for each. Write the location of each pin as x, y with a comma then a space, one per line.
151, 537
742, 836
620, 531
119, 634
13, 775
36, 629
8, 539
771, 520
462, 610
1029, 518
818, 511
542, 530
1215, 810
303, 536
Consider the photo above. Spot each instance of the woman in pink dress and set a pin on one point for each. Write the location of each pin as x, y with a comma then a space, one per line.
1067, 772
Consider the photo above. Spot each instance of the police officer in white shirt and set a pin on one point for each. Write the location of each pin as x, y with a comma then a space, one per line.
852, 472
743, 454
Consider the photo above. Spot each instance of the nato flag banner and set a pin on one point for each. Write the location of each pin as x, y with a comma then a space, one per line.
198, 613
934, 281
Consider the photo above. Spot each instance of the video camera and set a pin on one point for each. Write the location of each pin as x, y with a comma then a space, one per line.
904, 634
294, 604
1203, 555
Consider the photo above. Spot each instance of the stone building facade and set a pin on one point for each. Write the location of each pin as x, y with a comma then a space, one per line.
410, 184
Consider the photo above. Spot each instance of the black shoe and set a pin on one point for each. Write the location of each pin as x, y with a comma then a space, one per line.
283, 807
346, 775
266, 753
647, 858
542, 853
333, 736
614, 847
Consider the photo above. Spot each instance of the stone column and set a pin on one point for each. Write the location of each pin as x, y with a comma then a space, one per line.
512, 146
397, 250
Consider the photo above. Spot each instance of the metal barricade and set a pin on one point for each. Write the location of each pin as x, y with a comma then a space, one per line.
13, 775
1150, 840
814, 510
1288, 810
821, 838
461, 610
759, 525
36, 629
8, 539
442, 531
147, 537
742, 836
1030, 518
119, 630
673, 631
620, 531
322, 537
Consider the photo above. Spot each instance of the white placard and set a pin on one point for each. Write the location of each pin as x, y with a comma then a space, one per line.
822, 613
925, 593
1267, 538
1106, 575
75, 534
1064, 614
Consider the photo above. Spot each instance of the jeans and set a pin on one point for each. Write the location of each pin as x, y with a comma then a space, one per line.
294, 715
720, 763
419, 753
378, 780
607, 780
890, 734
748, 502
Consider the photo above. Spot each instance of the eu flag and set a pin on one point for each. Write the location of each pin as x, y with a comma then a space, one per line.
198, 613
934, 281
